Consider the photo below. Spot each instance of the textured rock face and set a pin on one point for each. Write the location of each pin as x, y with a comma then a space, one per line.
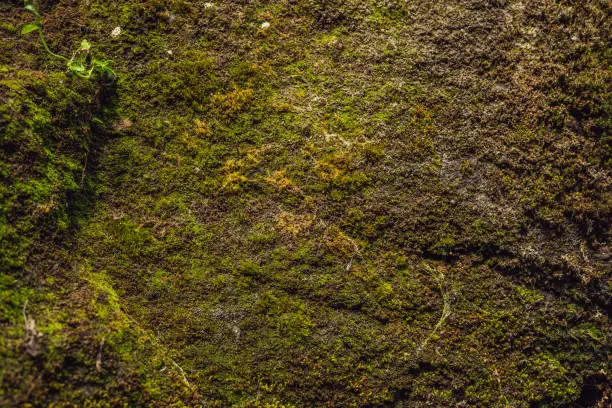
307, 203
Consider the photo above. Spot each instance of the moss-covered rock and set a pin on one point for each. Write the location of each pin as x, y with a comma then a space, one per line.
308, 203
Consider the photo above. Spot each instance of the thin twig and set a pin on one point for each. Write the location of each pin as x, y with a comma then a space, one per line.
25, 316
84, 168
446, 310
349, 265
182, 373
99, 356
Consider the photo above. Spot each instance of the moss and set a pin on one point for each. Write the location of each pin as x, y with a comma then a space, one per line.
245, 218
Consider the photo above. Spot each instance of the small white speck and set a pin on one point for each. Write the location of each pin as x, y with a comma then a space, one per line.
169, 52
265, 25
236, 331
208, 5
116, 32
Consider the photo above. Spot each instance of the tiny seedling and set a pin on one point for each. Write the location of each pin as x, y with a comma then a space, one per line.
81, 64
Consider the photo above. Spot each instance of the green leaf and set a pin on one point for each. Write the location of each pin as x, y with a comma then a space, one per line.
85, 46
101, 64
29, 28
76, 67
31, 9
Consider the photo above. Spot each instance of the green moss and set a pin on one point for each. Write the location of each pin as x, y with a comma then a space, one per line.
244, 219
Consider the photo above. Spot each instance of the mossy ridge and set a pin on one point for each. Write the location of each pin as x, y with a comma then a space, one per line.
42, 155
92, 353
51, 129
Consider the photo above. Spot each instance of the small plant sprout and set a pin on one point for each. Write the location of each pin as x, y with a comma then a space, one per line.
81, 64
